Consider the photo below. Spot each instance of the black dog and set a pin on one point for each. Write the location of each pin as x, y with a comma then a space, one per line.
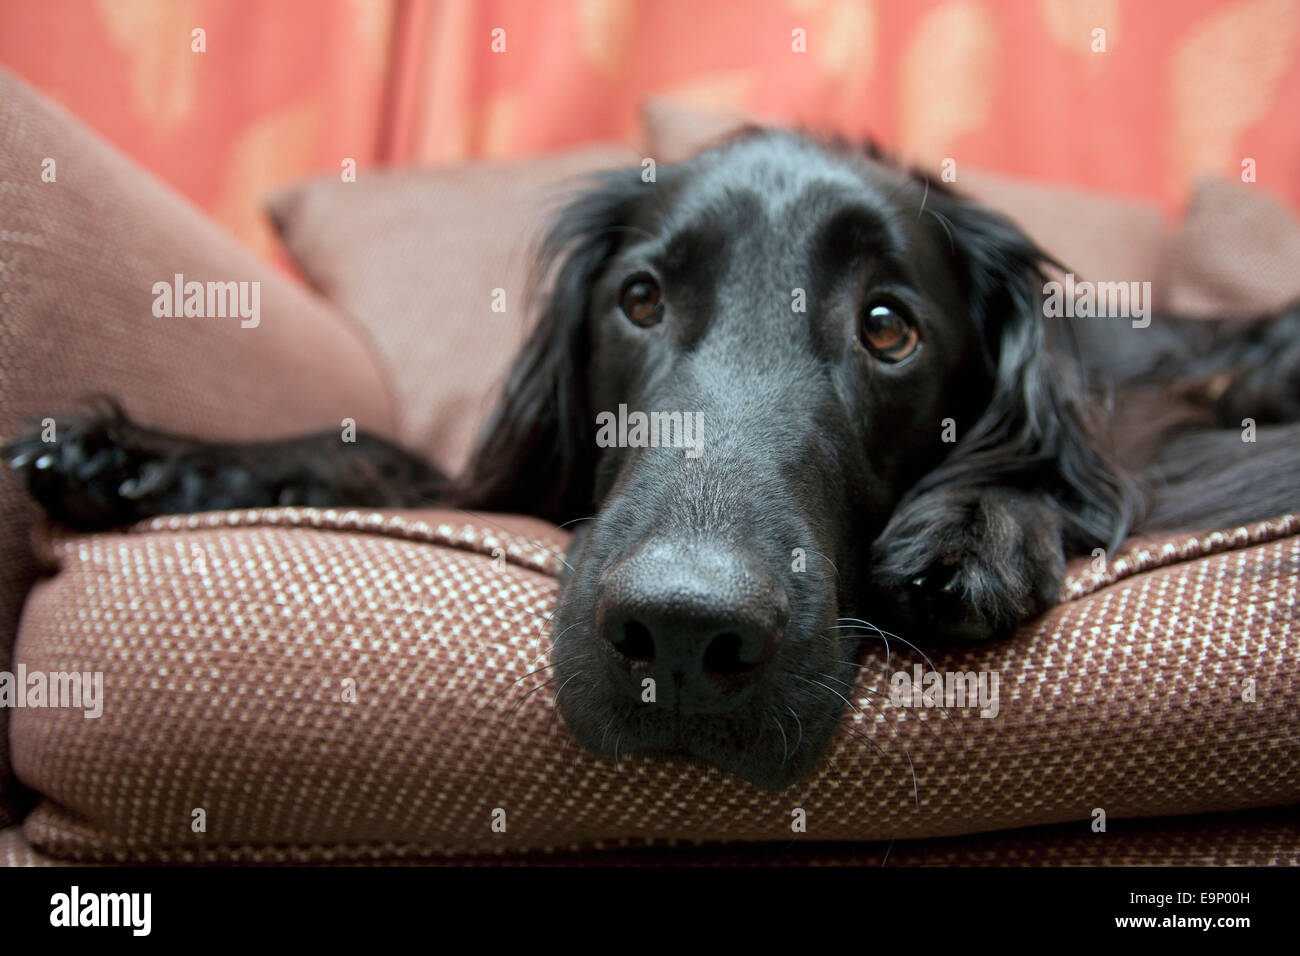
888, 429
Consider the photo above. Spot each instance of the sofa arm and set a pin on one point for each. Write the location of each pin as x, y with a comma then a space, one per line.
87, 242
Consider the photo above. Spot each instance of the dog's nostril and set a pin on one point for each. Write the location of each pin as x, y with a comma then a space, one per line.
636, 642
703, 623
724, 656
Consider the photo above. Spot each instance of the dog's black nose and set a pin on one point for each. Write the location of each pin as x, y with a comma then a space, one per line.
701, 621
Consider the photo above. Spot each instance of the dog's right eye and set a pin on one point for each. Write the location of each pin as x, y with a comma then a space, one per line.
887, 333
640, 300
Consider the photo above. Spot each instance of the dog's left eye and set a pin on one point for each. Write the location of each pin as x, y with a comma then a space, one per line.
640, 300
887, 333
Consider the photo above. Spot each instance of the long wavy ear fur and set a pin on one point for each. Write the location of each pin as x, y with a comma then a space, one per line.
1041, 430
537, 453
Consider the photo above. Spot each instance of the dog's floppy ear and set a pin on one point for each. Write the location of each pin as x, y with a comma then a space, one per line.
537, 454
1041, 430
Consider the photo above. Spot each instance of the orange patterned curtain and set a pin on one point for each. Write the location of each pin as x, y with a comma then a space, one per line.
1138, 97
280, 90
1168, 91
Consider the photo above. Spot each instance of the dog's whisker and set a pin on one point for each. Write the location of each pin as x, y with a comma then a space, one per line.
864, 623
868, 690
555, 706
947, 224
831, 689
556, 702
492, 697
798, 724
532, 691
552, 638
506, 717
896, 637
881, 710
535, 670
906, 752
916, 792
827, 560
785, 742
514, 683
887, 671
867, 700
569, 741
884, 635
847, 684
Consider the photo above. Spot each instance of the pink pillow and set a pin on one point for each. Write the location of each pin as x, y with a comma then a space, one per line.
424, 260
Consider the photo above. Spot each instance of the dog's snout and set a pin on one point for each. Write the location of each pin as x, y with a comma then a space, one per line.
703, 622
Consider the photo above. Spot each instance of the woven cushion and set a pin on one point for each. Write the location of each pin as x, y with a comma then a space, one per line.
226, 639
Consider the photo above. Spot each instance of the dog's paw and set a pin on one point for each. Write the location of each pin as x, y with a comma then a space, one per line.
970, 565
85, 469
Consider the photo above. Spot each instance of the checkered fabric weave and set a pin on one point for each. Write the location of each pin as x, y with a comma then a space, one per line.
1164, 684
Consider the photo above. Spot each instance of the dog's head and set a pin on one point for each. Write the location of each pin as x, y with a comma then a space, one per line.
741, 370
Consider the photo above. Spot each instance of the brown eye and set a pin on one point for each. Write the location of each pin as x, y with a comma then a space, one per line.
888, 334
640, 301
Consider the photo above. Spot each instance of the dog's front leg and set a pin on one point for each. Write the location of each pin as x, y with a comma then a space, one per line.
98, 468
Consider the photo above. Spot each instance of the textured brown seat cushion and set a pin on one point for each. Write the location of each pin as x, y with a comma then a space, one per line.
225, 641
